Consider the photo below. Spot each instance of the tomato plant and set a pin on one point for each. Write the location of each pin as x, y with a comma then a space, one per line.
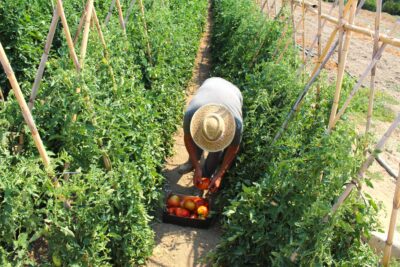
277, 193
97, 217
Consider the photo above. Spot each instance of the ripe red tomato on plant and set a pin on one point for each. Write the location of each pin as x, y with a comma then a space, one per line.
204, 184
174, 201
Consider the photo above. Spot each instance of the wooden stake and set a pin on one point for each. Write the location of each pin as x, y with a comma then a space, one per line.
386, 166
145, 31
1, 95
379, 146
373, 71
109, 14
121, 16
45, 56
86, 31
128, 13
292, 10
342, 62
331, 39
287, 43
392, 225
101, 36
303, 34
81, 22
24, 107
67, 33
357, 86
315, 39
319, 41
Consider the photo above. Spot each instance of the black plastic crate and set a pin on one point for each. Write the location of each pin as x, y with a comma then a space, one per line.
183, 221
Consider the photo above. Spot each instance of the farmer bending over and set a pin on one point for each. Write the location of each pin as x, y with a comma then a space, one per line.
213, 123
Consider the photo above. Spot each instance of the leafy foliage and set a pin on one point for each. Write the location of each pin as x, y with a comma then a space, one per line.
96, 217
277, 194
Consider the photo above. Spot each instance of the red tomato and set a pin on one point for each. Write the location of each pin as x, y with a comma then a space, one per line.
181, 212
171, 210
174, 201
203, 185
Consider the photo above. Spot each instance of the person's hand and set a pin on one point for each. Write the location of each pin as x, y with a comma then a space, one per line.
215, 184
197, 176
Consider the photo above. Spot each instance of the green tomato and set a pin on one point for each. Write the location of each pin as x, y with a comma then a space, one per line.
56, 260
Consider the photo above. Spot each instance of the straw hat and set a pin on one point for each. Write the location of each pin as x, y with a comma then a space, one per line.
213, 127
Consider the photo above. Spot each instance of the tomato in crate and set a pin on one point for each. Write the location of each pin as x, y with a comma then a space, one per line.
186, 210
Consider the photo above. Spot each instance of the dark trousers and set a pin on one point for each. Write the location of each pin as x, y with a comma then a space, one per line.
212, 162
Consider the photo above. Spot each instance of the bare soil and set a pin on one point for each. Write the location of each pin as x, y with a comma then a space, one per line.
387, 80
178, 246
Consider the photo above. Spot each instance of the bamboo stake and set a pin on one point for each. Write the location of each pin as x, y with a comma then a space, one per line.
373, 71
303, 34
319, 42
367, 163
121, 16
315, 39
86, 31
101, 36
302, 95
109, 14
268, 9
67, 33
331, 38
24, 107
81, 22
287, 42
361, 30
342, 63
1, 95
45, 56
384, 165
292, 10
275, 8
145, 30
392, 225
357, 86
128, 13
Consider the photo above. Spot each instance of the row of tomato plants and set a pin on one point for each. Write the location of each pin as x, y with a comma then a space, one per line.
277, 194
96, 217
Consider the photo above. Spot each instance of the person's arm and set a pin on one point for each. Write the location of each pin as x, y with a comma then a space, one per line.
192, 150
230, 155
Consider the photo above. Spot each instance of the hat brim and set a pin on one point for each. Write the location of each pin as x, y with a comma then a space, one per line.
197, 133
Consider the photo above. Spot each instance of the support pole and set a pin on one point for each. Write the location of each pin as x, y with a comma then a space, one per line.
81, 22
145, 30
86, 31
67, 33
109, 14
342, 61
45, 56
392, 225
24, 107
319, 42
378, 14
379, 146
121, 15
357, 86
128, 13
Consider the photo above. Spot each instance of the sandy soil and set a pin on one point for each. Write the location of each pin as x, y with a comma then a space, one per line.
179, 246
387, 80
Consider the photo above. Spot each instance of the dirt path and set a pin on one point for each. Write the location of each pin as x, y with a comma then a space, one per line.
178, 246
